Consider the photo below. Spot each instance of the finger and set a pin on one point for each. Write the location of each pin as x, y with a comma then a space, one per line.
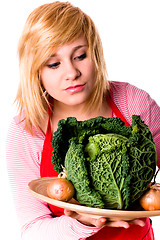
70, 213
86, 220
92, 221
122, 224
72, 200
99, 222
138, 222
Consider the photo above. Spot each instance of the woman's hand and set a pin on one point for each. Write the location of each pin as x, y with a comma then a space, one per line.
101, 222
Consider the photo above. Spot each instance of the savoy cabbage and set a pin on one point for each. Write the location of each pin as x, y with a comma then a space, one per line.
109, 164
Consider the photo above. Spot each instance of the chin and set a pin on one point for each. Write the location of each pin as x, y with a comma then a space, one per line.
75, 100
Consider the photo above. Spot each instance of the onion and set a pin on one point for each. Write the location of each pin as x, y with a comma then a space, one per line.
60, 189
151, 199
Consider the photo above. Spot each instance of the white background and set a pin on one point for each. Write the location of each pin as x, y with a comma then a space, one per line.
130, 32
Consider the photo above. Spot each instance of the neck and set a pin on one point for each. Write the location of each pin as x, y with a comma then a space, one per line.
61, 111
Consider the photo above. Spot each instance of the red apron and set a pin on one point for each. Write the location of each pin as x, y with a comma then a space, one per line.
47, 170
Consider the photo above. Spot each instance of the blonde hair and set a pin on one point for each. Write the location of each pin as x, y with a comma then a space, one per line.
46, 28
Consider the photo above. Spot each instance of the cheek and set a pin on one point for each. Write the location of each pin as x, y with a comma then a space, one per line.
43, 77
50, 83
90, 71
47, 79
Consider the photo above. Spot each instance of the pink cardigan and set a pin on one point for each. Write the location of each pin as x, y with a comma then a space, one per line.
24, 158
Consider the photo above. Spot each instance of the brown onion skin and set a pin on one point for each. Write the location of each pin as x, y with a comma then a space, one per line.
150, 201
60, 189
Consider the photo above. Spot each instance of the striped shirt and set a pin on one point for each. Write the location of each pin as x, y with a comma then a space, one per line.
24, 158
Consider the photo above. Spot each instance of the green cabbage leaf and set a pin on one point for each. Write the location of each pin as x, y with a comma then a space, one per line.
109, 164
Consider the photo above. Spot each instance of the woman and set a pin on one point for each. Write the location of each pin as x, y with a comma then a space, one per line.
63, 74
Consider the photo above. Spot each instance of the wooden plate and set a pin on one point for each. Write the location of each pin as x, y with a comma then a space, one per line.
38, 188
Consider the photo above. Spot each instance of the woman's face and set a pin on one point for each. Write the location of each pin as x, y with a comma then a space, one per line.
68, 76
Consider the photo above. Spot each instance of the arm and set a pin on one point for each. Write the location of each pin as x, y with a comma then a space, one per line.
23, 160
131, 100
140, 103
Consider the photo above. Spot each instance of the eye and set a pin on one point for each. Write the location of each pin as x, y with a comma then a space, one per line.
81, 57
54, 65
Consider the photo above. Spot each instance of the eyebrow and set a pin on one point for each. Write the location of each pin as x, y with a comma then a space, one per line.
80, 46
74, 49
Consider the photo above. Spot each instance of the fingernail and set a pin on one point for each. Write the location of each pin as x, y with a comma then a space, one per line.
142, 224
126, 225
103, 220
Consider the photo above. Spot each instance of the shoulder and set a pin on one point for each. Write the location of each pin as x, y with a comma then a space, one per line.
126, 89
134, 101
132, 98
18, 125
19, 140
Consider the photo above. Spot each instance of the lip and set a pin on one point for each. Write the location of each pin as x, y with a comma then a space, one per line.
74, 89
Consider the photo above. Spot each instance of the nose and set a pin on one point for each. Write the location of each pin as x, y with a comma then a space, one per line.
71, 72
